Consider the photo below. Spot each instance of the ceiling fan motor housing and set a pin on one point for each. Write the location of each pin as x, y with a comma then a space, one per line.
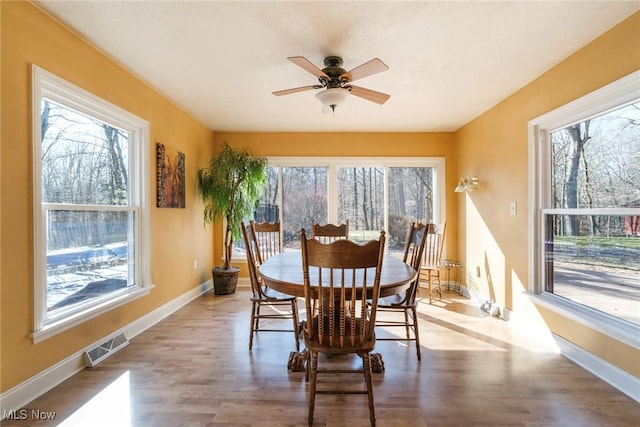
333, 69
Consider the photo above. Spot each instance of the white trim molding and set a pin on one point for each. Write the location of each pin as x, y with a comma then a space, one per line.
621, 380
25, 392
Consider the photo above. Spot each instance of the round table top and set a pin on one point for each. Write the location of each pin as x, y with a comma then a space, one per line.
283, 273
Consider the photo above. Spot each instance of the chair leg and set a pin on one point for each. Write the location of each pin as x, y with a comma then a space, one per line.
256, 323
253, 321
296, 323
366, 365
307, 365
312, 387
439, 288
406, 324
416, 331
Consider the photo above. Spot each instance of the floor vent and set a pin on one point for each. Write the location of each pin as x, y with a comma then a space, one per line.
99, 353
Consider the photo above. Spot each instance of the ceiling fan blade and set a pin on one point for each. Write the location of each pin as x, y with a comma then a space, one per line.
305, 64
367, 69
368, 94
295, 89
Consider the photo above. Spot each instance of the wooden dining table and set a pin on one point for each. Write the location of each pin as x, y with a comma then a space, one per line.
283, 273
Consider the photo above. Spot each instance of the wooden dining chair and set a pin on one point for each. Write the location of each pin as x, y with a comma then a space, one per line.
405, 302
430, 268
329, 232
281, 306
268, 239
338, 278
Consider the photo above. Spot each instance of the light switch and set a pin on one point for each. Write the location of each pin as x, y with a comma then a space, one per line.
513, 208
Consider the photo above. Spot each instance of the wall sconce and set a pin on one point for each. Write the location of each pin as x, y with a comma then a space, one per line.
467, 183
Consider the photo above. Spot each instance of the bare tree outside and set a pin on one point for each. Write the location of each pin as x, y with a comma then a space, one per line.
360, 199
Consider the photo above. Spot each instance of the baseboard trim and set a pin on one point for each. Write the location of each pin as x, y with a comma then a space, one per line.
145, 322
616, 377
25, 392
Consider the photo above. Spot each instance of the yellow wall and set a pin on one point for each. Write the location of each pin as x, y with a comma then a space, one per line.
480, 231
321, 144
494, 146
178, 236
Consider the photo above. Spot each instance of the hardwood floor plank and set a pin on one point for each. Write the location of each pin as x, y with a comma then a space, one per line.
194, 369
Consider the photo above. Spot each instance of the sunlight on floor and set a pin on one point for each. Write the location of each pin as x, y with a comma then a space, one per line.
111, 407
469, 328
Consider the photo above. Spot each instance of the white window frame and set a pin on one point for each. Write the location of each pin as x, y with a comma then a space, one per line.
332, 177
333, 163
610, 97
50, 86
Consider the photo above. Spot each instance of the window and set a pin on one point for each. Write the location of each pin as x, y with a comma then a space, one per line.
372, 194
587, 209
90, 210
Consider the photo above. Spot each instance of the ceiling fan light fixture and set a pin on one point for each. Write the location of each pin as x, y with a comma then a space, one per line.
333, 97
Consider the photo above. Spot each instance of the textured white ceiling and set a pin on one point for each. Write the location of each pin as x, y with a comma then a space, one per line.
449, 61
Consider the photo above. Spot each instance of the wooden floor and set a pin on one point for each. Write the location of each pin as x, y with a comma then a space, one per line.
194, 369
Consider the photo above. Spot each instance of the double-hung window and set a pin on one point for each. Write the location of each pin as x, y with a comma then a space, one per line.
90, 205
585, 257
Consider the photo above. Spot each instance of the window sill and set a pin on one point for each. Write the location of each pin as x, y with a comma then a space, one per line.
621, 330
53, 328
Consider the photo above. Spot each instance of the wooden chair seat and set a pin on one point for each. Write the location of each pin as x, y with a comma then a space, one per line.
326, 343
269, 295
394, 301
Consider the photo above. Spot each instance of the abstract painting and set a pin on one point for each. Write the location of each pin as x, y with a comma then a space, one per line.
170, 176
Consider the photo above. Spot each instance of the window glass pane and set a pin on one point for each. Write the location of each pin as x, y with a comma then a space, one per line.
361, 201
304, 196
89, 254
598, 265
84, 161
411, 192
359, 198
268, 209
596, 163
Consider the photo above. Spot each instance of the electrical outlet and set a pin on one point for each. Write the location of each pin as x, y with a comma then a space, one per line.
513, 208
195, 264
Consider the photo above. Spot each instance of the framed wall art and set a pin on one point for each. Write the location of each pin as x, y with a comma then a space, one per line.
170, 176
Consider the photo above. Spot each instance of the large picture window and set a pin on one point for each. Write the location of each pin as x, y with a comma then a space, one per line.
372, 194
587, 215
90, 212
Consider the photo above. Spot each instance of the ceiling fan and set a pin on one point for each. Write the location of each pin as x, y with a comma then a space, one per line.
336, 81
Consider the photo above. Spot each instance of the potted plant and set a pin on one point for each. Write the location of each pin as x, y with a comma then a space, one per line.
230, 187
